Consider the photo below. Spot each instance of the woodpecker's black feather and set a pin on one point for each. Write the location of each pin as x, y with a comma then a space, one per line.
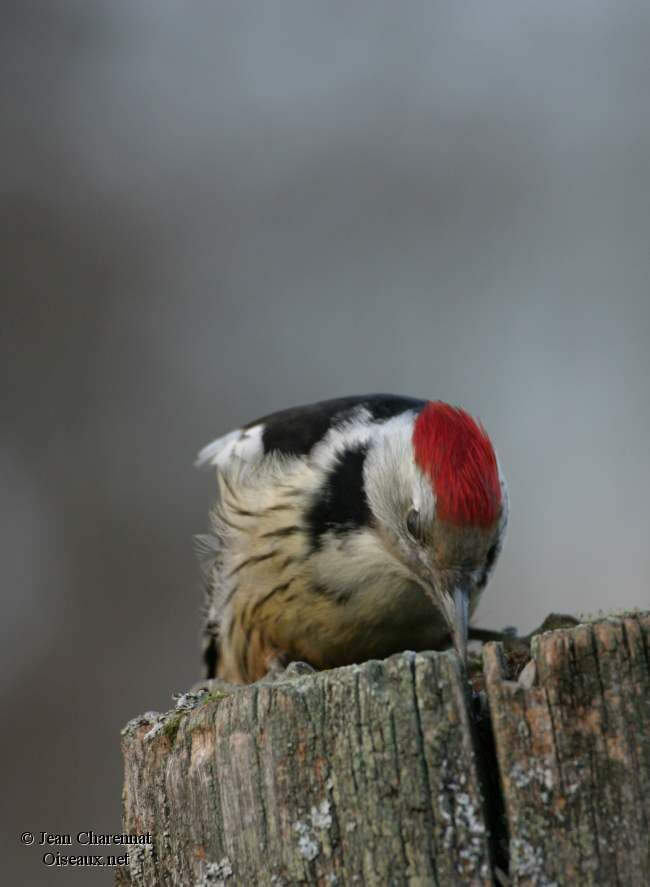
296, 431
341, 504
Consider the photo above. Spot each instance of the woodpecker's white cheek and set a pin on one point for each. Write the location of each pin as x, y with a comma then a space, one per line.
414, 557
423, 497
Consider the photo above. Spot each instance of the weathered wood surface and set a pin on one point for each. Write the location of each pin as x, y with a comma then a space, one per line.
376, 774
574, 755
363, 775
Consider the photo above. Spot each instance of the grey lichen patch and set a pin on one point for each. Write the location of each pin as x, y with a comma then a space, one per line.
534, 773
148, 719
215, 874
320, 818
463, 815
157, 726
167, 723
307, 844
188, 699
527, 861
141, 864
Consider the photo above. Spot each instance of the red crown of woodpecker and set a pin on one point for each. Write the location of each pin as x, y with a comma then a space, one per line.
453, 449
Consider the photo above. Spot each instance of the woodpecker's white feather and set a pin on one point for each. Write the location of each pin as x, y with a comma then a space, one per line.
243, 443
393, 481
358, 429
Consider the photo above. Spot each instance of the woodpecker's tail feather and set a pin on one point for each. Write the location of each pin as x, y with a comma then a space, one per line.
208, 551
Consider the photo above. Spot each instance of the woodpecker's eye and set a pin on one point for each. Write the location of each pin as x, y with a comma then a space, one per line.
413, 522
491, 557
489, 563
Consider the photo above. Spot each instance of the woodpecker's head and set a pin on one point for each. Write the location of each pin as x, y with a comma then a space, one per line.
441, 506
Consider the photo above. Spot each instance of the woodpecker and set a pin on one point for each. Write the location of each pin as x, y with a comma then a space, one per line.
346, 530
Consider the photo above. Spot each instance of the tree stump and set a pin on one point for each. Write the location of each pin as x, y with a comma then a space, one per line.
392, 772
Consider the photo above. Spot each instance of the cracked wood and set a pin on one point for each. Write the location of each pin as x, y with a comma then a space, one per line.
361, 775
574, 755
370, 774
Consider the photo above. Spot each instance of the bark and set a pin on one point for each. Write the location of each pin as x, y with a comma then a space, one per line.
574, 755
383, 774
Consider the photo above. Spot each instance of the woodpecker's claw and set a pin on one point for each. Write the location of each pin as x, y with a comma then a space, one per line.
279, 672
212, 686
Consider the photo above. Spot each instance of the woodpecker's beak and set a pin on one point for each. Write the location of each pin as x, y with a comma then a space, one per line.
451, 596
455, 601
459, 626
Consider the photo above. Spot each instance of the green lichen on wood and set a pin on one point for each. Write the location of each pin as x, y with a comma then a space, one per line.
172, 723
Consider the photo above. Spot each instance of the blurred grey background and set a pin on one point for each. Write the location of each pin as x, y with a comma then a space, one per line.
213, 210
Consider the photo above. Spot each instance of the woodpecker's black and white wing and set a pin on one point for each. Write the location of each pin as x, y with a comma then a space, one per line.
296, 431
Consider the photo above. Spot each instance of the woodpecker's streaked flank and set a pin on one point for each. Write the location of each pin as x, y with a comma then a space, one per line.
347, 530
